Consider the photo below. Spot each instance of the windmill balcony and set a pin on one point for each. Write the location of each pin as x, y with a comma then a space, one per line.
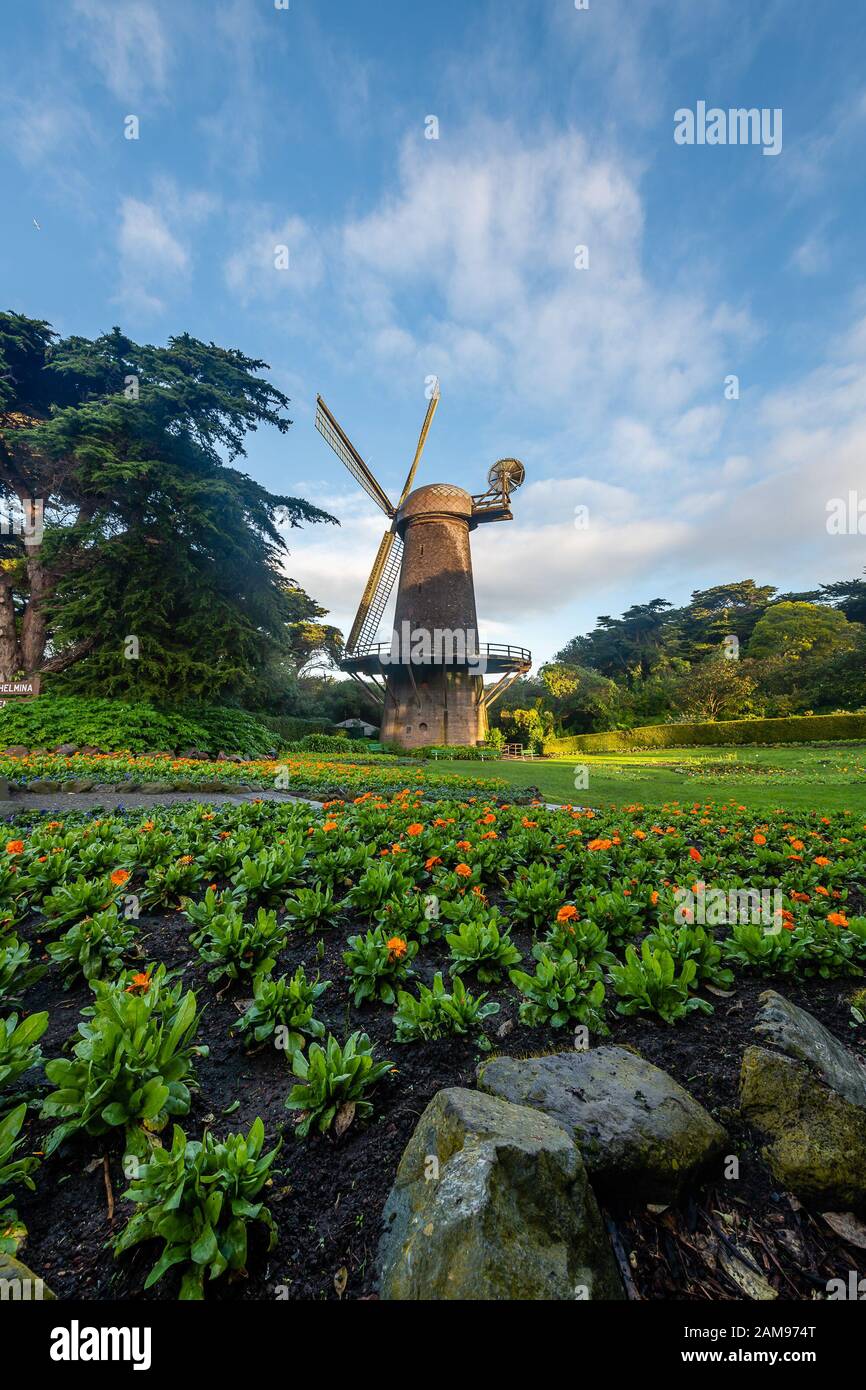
483, 658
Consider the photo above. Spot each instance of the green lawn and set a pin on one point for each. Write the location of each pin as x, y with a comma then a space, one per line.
827, 776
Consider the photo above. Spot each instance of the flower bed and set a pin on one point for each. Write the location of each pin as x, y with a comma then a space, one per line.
304, 774
269, 974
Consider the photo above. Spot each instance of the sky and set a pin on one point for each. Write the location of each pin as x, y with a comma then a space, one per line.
687, 392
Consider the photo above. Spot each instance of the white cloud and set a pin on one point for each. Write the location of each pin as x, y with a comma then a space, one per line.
126, 43
154, 241
258, 268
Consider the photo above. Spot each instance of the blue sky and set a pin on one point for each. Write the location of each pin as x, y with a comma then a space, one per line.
410, 257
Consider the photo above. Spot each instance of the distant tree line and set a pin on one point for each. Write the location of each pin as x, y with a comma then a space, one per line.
735, 651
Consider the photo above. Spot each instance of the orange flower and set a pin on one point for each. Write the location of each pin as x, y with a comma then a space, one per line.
599, 844
416, 828
488, 819
822, 860
758, 838
434, 859
329, 825
463, 870
492, 835
567, 913
654, 897
120, 876
638, 834
185, 859
528, 824
148, 825
140, 983
463, 844
797, 844
837, 919
14, 846
396, 948
54, 825
695, 854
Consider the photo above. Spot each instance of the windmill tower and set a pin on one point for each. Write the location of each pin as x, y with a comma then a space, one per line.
428, 681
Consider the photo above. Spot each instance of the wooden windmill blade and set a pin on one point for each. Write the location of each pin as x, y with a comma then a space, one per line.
422, 440
377, 591
346, 452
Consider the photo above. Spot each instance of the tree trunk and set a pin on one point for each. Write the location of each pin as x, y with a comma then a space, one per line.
10, 654
33, 624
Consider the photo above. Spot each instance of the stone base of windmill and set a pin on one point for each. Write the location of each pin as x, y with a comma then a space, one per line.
440, 707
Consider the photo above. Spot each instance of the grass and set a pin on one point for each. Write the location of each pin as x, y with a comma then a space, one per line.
820, 776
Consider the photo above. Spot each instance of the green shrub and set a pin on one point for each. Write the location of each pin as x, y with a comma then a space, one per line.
561, 991
325, 743
13, 1173
117, 725
438, 1014
17, 972
484, 946
19, 1047
334, 1080
94, 947
238, 949
289, 728
377, 964
133, 1062
800, 728
283, 1008
648, 983
199, 1199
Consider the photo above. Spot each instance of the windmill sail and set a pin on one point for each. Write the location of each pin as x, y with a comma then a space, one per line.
428, 420
377, 591
348, 454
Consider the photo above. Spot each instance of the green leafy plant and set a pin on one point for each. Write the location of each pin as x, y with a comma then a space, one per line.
534, 894
561, 991
378, 963
133, 1063
14, 1172
82, 898
333, 1081
213, 905
766, 952
697, 944
586, 942
484, 946
283, 1008
376, 886
239, 949
200, 1199
649, 983
436, 1013
17, 972
94, 947
19, 1046
308, 906
266, 876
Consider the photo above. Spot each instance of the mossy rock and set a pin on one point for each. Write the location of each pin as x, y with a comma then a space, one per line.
492, 1202
20, 1284
640, 1133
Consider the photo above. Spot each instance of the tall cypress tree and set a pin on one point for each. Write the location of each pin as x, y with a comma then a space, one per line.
149, 532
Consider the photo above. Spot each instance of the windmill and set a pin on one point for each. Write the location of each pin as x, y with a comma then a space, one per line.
428, 681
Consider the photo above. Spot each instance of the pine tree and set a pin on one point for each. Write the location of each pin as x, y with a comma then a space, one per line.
149, 532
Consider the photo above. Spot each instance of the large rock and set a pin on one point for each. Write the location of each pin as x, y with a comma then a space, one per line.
640, 1133
20, 1284
809, 1100
492, 1202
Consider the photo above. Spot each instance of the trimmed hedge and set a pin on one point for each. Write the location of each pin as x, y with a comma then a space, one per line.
800, 728
117, 725
291, 727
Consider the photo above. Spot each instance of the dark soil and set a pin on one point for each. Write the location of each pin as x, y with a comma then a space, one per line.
328, 1194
